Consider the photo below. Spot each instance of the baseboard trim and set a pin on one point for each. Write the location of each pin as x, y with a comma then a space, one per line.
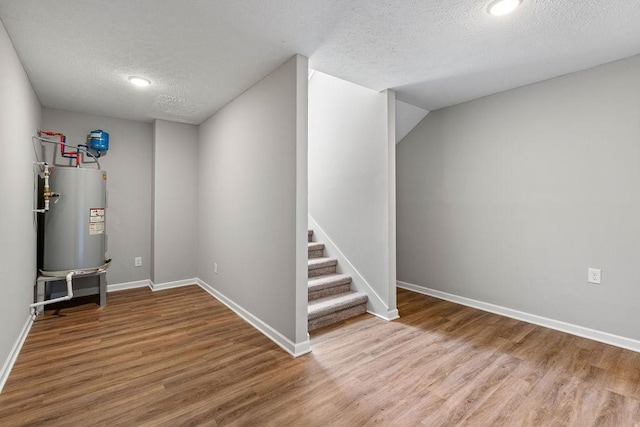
295, 350
129, 285
283, 342
174, 284
389, 316
581, 331
15, 351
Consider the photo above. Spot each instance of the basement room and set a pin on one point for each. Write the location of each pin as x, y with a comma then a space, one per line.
319, 213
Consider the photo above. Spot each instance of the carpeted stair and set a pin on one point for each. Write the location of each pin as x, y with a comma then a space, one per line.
330, 296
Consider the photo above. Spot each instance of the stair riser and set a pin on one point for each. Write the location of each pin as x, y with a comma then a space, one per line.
322, 271
317, 253
336, 317
329, 291
309, 236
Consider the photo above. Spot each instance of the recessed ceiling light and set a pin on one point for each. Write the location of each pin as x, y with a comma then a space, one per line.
502, 7
139, 81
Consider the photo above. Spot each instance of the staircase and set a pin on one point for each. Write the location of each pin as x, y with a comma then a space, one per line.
330, 296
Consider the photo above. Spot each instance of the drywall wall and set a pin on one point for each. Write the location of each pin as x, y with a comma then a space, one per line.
128, 165
19, 120
252, 196
407, 117
510, 198
352, 179
175, 185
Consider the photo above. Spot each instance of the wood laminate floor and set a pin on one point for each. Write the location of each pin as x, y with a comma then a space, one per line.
179, 357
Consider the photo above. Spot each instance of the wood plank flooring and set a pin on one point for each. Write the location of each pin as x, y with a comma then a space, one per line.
179, 357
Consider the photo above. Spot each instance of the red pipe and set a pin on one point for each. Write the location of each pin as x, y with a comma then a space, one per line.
63, 140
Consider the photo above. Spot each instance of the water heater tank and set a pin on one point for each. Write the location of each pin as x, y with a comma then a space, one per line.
74, 230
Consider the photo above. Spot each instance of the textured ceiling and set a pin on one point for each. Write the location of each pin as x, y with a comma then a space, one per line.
200, 54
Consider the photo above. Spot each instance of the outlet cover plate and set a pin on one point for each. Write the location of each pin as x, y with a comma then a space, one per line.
594, 275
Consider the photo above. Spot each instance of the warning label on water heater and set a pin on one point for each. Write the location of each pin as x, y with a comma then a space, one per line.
96, 221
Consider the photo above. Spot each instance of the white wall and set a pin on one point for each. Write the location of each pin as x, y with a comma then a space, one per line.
128, 164
407, 117
352, 180
251, 195
19, 120
175, 189
510, 198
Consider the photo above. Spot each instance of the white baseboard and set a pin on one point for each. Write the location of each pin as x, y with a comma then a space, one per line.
174, 284
389, 315
129, 285
153, 286
581, 331
294, 349
15, 351
285, 343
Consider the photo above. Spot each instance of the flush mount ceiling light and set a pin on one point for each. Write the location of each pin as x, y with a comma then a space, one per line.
139, 81
503, 7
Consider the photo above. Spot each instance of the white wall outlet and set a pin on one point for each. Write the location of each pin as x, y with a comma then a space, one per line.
137, 261
594, 276
215, 267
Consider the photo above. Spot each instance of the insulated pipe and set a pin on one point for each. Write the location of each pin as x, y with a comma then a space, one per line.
86, 147
39, 138
64, 298
63, 144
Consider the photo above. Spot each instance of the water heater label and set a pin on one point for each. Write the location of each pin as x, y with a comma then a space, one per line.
96, 221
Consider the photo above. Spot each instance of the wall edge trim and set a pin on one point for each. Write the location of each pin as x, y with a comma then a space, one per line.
569, 328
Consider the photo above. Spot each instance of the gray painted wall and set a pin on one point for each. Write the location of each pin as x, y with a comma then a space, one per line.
351, 177
175, 171
128, 164
250, 185
19, 120
510, 198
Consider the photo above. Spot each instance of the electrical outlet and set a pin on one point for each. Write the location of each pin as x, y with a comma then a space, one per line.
594, 275
137, 261
215, 267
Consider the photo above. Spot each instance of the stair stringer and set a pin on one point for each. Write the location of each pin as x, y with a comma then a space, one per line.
375, 304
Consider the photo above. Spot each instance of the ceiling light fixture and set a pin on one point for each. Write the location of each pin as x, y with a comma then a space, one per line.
503, 7
139, 81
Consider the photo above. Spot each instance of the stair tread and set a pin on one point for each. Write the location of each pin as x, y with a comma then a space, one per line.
328, 280
336, 317
321, 262
334, 303
315, 245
